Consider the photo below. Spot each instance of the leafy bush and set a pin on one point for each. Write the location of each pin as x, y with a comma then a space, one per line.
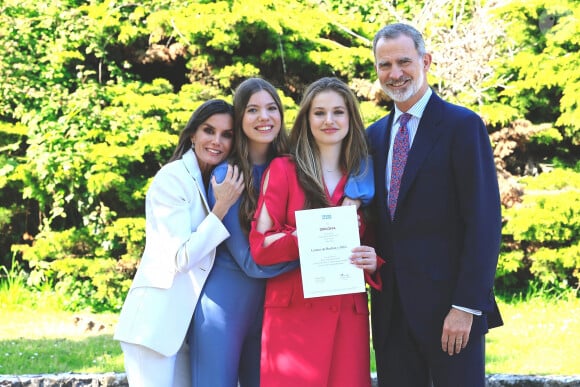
87, 275
544, 231
94, 95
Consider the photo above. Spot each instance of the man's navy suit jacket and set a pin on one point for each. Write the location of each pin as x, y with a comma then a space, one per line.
442, 248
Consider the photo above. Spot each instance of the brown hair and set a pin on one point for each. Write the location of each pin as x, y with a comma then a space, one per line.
306, 153
199, 116
241, 154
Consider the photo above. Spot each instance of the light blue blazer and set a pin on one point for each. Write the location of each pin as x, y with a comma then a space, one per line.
181, 239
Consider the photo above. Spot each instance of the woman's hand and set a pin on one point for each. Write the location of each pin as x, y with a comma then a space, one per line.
365, 258
228, 191
351, 202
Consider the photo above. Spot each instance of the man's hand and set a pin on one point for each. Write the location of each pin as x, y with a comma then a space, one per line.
456, 328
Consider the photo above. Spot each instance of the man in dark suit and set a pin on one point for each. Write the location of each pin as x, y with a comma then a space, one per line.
439, 226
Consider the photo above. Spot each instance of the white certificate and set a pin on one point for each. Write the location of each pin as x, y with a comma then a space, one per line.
326, 237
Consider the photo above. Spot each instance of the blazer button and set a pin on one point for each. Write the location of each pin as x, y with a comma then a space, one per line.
308, 305
334, 308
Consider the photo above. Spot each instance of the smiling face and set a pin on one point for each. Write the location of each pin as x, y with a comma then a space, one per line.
262, 119
402, 72
328, 118
213, 140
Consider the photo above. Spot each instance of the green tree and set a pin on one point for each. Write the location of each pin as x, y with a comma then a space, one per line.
94, 94
544, 69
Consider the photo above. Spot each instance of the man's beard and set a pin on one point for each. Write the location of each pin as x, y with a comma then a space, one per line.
402, 95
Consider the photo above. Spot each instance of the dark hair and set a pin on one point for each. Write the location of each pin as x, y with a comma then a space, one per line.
393, 31
199, 116
354, 148
241, 154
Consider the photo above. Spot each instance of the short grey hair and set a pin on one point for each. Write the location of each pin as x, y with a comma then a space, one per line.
393, 31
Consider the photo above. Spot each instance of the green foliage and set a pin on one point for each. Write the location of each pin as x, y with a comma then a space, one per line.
559, 179
371, 112
548, 136
546, 218
232, 40
12, 207
537, 292
13, 283
498, 113
544, 71
90, 283
94, 95
125, 239
556, 266
545, 230
510, 262
78, 268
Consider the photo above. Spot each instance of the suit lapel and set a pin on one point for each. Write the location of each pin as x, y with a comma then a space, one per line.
190, 162
428, 132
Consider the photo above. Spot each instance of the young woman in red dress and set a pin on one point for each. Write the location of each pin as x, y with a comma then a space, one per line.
322, 341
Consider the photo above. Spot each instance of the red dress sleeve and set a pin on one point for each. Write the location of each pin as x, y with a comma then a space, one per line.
375, 280
280, 197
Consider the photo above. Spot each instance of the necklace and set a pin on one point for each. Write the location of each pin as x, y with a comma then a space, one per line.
329, 169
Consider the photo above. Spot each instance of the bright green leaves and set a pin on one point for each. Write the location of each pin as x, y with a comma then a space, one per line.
546, 227
94, 95
546, 67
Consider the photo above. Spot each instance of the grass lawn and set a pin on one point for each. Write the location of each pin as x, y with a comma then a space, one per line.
540, 337
43, 341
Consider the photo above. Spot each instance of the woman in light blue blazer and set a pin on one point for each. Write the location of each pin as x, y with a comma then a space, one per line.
182, 233
225, 334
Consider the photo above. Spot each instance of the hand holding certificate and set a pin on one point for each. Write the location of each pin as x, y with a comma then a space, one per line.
326, 237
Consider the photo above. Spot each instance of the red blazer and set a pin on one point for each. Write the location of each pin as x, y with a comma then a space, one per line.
322, 341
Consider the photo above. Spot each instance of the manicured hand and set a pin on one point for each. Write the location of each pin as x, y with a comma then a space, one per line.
351, 202
228, 191
365, 258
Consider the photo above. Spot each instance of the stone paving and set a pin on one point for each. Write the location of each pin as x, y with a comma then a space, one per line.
119, 380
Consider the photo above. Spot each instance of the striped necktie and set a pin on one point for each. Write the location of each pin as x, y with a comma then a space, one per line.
400, 153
